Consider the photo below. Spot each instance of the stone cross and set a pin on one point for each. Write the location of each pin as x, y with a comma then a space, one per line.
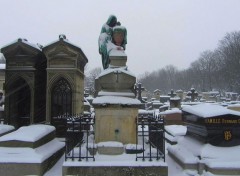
172, 94
117, 73
139, 90
193, 93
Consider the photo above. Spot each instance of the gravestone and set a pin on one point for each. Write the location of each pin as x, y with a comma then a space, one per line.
175, 102
116, 117
156, 94
139, 89
115, 105
180, 94
164, 98
172, 93
30, 150
214, 124
193, 94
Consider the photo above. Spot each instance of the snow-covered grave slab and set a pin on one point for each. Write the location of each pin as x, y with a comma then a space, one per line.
117, 165
4, 129
191, 153
30, 150
174, 132
28, 136
214, 124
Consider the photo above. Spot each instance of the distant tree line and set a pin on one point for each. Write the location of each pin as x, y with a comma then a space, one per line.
213, 70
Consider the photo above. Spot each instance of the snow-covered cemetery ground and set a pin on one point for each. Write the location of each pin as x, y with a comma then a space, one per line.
185, 154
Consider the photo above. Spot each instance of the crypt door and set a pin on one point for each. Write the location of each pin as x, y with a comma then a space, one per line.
19, 101
61, 100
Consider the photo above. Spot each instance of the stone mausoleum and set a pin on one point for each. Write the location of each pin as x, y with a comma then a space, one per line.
42, 82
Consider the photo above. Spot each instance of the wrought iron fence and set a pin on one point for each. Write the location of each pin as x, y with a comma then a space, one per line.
1, 117
80, 137
1, 120
150, 130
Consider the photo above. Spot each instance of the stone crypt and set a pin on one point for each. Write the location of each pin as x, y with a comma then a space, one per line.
43, 83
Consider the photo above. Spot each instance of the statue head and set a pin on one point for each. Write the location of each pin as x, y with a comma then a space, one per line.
112, 20
118, 35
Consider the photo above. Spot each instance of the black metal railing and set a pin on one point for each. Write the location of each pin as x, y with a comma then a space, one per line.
150, 131
1, 121
80, 137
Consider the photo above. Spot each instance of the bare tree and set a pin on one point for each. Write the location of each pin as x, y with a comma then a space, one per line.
90, 77
229, 50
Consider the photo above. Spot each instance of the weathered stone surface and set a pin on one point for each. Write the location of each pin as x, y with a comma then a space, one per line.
105, 149
18, 169
115, 170
116, 80
35, 144
116, 123
117, 58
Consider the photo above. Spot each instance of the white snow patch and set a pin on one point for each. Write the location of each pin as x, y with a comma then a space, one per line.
5, 128
171, 111
29, 155
116, 52
176, 130
30, 133
209, 110
119, 70
116, 100
110, 144
127, 94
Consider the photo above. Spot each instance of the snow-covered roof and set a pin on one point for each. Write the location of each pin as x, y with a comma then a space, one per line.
157, 90
116, 100
25, 41
208, 110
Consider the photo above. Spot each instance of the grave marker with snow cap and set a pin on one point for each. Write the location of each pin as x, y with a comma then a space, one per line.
115, 105
213, 124
116, 127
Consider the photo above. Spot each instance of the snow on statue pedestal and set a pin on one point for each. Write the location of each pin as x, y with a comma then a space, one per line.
117, 58
116, 112
115, 106
116, 119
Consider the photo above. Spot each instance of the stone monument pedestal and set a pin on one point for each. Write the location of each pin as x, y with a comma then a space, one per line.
117, 58
116, 119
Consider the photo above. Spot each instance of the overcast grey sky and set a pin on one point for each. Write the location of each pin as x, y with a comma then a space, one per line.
160, 32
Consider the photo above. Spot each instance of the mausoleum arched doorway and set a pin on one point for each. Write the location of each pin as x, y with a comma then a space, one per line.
61, 104
19, 102
61, 98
